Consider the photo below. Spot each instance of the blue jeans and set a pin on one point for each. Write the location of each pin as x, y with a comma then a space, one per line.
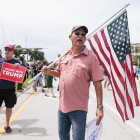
40, 81
78, 121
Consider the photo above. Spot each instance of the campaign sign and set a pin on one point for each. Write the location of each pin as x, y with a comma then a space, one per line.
10, 73
94, 132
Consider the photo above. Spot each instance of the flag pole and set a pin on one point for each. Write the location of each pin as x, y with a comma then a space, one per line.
108, 20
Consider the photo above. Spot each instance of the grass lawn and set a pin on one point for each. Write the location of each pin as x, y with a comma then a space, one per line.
25, 84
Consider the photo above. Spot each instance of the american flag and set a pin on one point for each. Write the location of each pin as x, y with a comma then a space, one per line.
112, 47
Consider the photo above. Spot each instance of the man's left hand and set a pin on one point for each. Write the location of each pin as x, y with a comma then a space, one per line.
16, 65
99, 114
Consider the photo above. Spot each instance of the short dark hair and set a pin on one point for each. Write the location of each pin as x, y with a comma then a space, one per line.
44, 62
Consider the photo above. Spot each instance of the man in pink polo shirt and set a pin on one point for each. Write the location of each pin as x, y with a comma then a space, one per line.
76, 69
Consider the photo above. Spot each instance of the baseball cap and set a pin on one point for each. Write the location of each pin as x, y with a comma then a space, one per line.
22, 55
79, 26
38, 61
10, 47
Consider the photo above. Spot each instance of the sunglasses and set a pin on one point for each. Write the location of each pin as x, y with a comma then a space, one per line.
78, 33
7, 49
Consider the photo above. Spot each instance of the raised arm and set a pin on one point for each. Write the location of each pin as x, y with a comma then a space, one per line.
47, 70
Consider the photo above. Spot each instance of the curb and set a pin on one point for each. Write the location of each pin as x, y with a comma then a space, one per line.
25, 89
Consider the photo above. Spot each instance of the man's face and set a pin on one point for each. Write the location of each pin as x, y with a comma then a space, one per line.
33, 60
8, 52
78, 38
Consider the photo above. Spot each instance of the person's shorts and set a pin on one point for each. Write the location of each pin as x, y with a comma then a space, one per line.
106, 78
8, 96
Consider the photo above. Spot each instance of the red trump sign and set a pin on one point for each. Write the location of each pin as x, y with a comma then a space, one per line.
10, 73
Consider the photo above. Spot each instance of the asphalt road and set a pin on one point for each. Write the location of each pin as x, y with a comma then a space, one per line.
35, 117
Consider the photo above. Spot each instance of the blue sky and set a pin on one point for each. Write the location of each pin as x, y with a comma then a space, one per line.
48, 23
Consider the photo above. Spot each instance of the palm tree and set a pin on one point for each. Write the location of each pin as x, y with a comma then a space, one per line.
27, 51
59, 55
135, 59
18, 51
41, 55
135, 50
37, 55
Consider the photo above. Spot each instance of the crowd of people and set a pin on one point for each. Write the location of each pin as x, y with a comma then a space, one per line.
33, 69
36, 68
76, 70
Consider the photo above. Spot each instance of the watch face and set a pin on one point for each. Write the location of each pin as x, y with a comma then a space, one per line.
101, 107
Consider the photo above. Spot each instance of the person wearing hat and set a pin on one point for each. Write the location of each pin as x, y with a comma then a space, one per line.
38, 69
76, 69
7, 88
19, 86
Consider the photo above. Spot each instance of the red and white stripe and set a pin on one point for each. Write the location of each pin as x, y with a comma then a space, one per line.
120, 74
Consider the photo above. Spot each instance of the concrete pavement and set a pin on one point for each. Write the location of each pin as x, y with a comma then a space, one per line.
35, 117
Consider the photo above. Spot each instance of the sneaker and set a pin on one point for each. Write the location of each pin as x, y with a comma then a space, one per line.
8, 129
21, 89
43, 90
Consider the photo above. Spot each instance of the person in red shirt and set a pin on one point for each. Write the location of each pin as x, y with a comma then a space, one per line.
76, 69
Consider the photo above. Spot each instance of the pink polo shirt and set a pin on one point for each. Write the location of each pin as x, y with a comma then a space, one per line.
76, 72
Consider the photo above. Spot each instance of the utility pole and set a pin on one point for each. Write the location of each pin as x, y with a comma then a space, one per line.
26, 47
12, 41
26, 42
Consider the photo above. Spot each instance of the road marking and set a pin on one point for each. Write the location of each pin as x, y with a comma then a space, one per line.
14, 116
113, 110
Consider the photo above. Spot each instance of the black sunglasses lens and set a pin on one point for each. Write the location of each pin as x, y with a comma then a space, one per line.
77, 33
7, 49
83, 34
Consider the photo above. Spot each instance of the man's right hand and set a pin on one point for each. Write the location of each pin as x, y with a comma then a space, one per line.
46, 70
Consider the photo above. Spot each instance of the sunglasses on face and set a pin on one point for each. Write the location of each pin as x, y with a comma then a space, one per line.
78, 33
7, 49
